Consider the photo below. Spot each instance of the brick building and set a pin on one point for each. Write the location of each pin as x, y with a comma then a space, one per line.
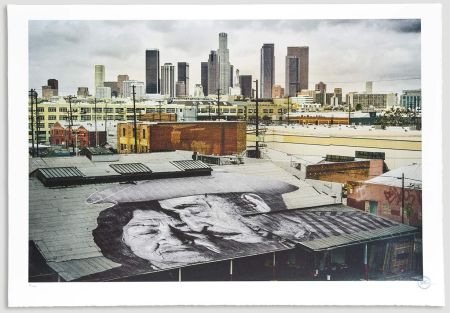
383, 195
83, 136
219, 138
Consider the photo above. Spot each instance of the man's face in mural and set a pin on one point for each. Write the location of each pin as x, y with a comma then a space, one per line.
161, 238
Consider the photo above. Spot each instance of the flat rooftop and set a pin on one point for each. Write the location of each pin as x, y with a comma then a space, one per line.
105, 231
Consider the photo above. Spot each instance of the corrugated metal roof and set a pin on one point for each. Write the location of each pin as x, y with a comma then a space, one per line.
191, 165
360, 237
413, 177
329, 227
130, 168
60, 172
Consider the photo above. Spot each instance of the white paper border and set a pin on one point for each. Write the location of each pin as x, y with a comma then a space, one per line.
22, 293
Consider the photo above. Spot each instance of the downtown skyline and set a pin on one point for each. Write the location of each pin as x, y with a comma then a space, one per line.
341, 51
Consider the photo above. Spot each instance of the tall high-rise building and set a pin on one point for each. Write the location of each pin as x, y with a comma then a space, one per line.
213, 73
245, 81
183, 76
102, 92
114, 88
99, 75
302, 53
231, 75
180, 89
204, 77
267, 70
152, 78
168, 80
338, 95
291, 80
139, 90
369, 87
198, 91
224, 64
53, 83
321, 91
120, 79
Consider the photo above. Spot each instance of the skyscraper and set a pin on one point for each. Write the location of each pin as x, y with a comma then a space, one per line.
302, 53
369, 85
152, 78
245, 81
204, 77
267, 70
168, 80
291, 80
213, 73
224, 64
120, 79
183, 76
180, 89
53, 83
99, 75
321, 90
231, 75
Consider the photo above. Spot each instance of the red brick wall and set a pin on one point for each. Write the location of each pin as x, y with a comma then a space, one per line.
205, 138
389, 201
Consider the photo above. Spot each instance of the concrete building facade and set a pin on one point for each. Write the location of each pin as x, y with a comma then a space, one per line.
168, 80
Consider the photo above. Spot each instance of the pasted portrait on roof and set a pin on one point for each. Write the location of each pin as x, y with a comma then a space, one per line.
167, 223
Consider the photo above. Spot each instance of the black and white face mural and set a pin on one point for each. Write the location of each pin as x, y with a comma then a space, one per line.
161, 224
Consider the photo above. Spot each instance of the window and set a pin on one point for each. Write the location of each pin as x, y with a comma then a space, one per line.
265, 111
40, 109
85, 110
118, 110
170, 110
279, 110
98, 110
85, 117
51, 109
50, 125
124, 132
62, 109
143, 133
52, 117
150, 110
108, 110
130, 110
232, 110
241, 111
270, 110
226, 110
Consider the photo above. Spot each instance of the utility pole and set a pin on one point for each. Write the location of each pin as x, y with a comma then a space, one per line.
257, 123
209, 109
288, 111
95, 121
403, 197
134, 117
32, 122
349, 113
71, 121
37, 122
218, 103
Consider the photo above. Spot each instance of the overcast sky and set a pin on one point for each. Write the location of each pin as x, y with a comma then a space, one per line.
342, 53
